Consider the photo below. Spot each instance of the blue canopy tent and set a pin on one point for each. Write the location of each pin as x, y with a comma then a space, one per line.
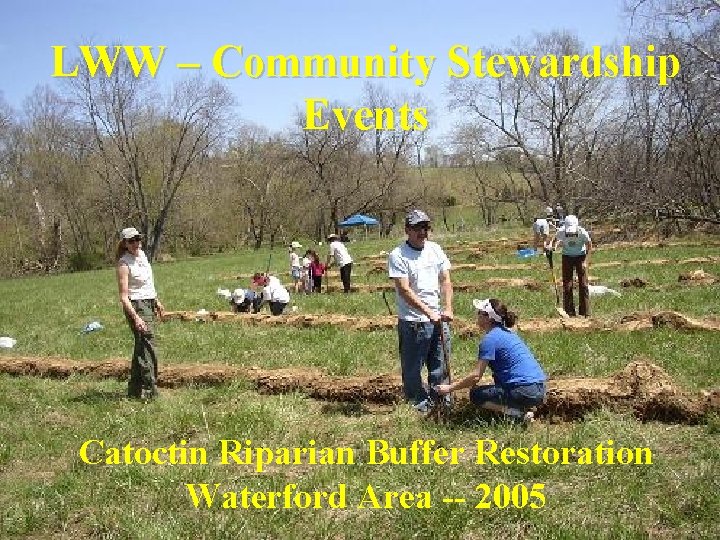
358, 220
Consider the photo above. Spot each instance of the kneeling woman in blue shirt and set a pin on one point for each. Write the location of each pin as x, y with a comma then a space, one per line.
519, 379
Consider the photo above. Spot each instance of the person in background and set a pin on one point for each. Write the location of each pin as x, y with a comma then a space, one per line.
549, 213
317, 270
307, 275
541, 234
421, 273
138, 297
576, 247
243, 300
295, 266
519, 379
559, 213
273, 293
338, 254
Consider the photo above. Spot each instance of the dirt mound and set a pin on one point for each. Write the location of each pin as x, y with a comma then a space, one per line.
381, 267
378, 389
530, 284
651, 244
633, 282
697, 277
641, 388
299, 321
491, 283
644, 379
680, 322
626, 323
480, 250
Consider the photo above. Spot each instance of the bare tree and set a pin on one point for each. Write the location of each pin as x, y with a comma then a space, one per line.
13, 221
337, 167
271, 191
679, 167
392, 187
551, 122
694, 23
469, 141
57, 159
148, 144
361, 170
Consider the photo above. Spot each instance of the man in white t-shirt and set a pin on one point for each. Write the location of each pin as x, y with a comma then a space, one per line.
421, 272
273, 293
338, 254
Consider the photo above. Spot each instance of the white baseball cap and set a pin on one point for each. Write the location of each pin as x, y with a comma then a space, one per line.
238, 294
486, 307
416, 216
571, 224
128, 233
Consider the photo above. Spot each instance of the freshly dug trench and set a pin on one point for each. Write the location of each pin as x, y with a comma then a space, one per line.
641, 388
630, 322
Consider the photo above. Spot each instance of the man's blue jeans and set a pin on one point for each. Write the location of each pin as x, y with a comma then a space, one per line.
420, 345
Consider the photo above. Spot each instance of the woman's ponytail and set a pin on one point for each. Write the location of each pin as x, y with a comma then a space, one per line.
509, 318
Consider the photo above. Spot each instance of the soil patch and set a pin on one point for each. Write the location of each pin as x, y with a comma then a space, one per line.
629, 322
478, 250
697, 277
382, 266
633, 282
641, 388
496, 283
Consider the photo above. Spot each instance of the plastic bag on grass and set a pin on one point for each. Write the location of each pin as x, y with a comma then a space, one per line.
92, 327
7, 342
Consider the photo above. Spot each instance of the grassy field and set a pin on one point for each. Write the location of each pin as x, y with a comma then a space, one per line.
47, 491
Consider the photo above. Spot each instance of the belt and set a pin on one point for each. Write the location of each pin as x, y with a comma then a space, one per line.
153, 301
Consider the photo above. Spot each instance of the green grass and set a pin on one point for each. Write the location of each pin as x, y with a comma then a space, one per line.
46, 491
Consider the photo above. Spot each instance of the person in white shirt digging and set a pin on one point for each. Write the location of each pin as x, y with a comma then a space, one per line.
273, 293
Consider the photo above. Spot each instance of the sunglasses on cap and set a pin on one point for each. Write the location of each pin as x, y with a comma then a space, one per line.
134, 239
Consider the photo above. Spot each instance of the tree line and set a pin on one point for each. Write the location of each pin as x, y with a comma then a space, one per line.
80, 163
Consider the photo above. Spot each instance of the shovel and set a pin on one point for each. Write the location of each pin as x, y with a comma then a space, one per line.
440, 411
387, 304
558, 308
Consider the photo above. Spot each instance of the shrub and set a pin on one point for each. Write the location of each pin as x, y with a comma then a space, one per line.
82, 261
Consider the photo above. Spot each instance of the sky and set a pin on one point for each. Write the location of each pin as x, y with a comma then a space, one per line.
192, 31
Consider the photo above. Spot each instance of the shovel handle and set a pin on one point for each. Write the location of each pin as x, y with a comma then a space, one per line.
446, 355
